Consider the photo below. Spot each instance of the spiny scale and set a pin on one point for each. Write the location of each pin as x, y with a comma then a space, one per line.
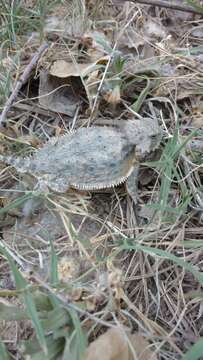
103, 186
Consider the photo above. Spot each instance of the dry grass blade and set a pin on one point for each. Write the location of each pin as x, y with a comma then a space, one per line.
22, 80
116, 93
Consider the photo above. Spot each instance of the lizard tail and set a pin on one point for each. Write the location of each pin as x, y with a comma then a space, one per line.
20, 164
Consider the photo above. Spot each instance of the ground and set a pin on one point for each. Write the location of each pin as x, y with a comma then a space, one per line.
92, 271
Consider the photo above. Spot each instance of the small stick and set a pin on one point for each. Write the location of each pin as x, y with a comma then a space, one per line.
22, 80
168, 4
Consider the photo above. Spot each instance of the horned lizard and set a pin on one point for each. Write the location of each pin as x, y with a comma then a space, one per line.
96, 157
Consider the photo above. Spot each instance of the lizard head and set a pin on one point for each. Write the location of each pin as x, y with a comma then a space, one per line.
144, 134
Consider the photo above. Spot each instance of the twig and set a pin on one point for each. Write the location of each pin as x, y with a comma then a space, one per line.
22, 80
168, 4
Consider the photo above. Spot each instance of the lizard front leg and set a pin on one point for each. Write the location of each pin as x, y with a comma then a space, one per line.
48, 182
132, 184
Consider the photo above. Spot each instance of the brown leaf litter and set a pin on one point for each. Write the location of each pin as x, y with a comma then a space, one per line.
76, 82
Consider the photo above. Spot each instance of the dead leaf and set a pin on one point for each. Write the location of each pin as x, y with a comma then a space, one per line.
130, 39
91, 303
97, 44
114, 345
68, 268
76, 293
154, 30
113, 96
64, 69
197, 121
60, 94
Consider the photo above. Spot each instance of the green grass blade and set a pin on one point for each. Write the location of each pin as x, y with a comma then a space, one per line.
30, 349
196, 5
141, 98
101, 41
53, 265
12, 313
28, 300
31, 309
54, 350
3, 352
195, 352
192, 244
76, 343
56, 319
16, 203
166, 255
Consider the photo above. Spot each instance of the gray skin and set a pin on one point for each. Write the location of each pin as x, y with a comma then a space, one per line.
93, 158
